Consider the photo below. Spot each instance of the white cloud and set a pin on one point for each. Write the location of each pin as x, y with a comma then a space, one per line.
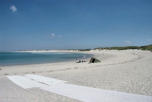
13, 8
52, 35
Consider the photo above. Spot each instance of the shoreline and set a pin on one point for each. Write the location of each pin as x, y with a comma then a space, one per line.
126, 71
88, 56
103, 55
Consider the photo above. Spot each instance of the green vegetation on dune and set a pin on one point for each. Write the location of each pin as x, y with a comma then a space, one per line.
84, 49
119, 48
146, 47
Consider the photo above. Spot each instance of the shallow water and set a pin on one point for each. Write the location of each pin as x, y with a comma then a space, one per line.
17, 58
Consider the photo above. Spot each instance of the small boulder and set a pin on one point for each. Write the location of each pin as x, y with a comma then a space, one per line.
94, 60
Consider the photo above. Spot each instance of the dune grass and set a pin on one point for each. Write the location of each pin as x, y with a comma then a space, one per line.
146, 47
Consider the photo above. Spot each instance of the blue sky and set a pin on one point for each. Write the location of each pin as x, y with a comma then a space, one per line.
68, 24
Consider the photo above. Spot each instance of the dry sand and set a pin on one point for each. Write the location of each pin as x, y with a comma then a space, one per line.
127, 71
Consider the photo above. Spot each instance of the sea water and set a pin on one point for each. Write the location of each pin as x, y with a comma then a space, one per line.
20, 58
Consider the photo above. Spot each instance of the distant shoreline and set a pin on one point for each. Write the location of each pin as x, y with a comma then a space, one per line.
48, 51
145, 47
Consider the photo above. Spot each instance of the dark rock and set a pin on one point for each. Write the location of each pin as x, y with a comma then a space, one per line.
94, 60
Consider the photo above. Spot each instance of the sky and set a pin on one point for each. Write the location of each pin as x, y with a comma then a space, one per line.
74, 24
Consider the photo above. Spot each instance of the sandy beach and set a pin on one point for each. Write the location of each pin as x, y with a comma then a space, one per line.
128, 71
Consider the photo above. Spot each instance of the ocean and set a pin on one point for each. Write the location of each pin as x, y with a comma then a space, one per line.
21, 58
